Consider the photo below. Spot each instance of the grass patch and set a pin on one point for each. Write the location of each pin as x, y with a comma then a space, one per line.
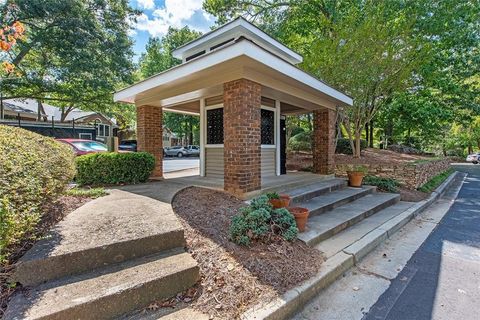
382, 184
86, 192
420, 161
433, 183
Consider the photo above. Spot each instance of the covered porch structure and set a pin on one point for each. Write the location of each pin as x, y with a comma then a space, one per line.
241, 83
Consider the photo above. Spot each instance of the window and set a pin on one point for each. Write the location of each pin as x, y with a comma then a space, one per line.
86, 136
103, 130
107, 130
215, 126
268, 127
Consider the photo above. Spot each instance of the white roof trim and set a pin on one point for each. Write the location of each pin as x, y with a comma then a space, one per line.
246, 48
244, 28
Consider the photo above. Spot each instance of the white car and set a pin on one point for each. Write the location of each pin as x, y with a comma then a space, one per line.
473, 158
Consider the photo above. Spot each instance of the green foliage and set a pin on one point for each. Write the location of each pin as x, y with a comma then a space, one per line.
301, 142
114, 168
157, 58
34, 170
273, 195
437, 180
258, 221
86, 192
76, 52
382, 184
343, 146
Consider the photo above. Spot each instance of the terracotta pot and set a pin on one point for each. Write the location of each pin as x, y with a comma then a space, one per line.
355, 178
283, 202
301, 216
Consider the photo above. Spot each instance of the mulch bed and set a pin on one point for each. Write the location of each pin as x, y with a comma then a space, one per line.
234, 277
53, 213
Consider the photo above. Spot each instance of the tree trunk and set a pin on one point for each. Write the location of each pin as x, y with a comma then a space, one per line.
367, 136
40, 111
310, 122
357, 151
370, 139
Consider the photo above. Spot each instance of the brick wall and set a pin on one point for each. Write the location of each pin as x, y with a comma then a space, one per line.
149, 135
242, 142
324, 141
410, 175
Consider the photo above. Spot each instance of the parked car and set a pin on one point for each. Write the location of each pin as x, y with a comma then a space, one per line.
474, 158
128, 145
81, 147
193, 151
177, 151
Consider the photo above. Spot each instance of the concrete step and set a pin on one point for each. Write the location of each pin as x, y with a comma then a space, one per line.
324, 226
365, 229
332, 200
109, 292
309, 191
105, 231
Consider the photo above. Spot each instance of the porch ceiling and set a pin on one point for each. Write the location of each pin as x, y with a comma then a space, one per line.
179, 88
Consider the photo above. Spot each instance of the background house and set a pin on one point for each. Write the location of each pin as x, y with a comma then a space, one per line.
45, 120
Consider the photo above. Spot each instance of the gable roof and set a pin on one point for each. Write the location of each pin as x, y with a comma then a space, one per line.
234, 30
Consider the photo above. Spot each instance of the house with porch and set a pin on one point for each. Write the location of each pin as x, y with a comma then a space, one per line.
242, 83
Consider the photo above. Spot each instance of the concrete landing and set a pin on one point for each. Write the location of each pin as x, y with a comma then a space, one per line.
107, 230
115, 254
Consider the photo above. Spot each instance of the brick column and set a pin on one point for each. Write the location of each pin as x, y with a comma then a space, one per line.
323, 141
242, 148
149, 135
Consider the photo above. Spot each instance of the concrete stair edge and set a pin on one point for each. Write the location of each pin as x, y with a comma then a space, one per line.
110, 292
347, 222
35, 271
355, 194
315, 189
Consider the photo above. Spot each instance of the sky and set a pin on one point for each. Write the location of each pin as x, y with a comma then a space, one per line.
158, 15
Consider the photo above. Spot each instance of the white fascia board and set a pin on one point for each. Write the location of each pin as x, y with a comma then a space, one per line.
241, 48
241, 25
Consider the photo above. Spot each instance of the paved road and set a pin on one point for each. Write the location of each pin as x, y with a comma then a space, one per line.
176, 164
442, 279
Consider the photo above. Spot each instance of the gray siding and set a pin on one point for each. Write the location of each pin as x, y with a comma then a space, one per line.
268, 162
214, 162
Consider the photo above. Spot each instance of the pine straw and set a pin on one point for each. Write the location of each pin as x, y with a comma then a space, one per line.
235, 278
53, 213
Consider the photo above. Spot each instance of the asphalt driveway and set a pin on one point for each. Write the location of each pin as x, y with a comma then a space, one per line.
442, 279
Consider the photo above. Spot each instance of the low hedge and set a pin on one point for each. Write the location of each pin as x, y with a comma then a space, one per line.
343, 146
114, 168
34, 170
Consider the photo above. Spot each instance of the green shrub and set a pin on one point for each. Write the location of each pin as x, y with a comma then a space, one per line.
114, 168
34, 170
343, 146
258, 221
382, 184
301, 142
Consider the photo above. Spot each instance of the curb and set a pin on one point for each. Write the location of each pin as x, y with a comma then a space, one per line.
286, 305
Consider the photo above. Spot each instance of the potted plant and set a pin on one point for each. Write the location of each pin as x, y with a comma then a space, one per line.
278, 200
301, 216
355, 176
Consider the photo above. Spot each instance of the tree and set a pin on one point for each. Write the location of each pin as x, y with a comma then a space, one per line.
382, 53
77, 52
157, 58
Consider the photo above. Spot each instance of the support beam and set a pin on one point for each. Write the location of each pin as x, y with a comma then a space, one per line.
324, 141
149, 135
242, 141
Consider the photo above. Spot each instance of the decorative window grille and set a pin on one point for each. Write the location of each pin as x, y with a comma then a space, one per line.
268, 127
215, 126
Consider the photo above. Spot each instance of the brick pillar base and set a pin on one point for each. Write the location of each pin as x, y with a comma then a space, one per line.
149, 135
242, 148
323, 141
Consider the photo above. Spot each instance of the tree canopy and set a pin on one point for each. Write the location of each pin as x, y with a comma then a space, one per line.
157, 58
76, 54
400, 60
